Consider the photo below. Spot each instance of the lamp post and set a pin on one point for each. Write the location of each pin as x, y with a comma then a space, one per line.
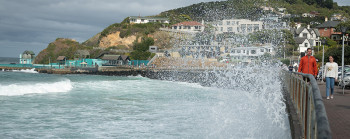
323, 43
343, 31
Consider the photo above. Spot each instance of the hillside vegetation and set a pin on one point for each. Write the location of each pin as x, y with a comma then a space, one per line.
62, 47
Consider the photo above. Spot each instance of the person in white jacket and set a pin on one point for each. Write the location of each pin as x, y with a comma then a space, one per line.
331, 74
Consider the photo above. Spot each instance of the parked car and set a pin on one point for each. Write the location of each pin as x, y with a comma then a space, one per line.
346, 70
346, 80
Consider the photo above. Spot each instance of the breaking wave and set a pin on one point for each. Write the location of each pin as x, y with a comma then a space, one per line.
39, 88
26, 70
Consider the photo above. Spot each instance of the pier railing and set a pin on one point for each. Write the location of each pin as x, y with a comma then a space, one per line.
309, 106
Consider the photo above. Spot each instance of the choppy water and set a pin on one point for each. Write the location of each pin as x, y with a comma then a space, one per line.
37, 105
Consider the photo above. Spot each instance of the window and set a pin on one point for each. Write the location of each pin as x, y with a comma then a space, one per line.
228, 23
253, 52
179, 27
261, 50
233, 51
199, 27
220, 23
305, 35
256, 27
175, 27
306, 44
243, 51
243, 27
142, 20
195, 27
229, 29
249, 28
222, 29
233, 22
238, 51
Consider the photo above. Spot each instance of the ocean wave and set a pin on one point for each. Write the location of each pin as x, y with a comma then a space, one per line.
26, 70
40, 88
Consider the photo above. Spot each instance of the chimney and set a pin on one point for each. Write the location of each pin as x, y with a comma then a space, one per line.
308, 26
325, 19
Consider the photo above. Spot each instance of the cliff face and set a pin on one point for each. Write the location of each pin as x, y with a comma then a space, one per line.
114, 39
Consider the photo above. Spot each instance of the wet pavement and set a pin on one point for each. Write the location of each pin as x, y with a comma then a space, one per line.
338, 111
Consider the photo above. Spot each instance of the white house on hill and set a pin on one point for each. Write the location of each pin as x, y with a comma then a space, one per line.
238, 26
143, 20
306, 38
189, 26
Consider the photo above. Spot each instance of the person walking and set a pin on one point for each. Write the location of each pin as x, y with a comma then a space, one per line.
308, 64
290, 68
331, 75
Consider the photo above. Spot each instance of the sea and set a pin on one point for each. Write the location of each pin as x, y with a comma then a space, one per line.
37, 105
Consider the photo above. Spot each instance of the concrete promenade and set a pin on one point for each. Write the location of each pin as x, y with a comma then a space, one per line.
338, 111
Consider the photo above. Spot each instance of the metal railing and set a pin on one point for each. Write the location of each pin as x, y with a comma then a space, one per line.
308, 103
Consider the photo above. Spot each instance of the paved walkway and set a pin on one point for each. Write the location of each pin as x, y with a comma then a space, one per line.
338, 111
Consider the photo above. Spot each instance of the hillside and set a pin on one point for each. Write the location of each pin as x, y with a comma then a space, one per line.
61, 47
123, 36
211, 11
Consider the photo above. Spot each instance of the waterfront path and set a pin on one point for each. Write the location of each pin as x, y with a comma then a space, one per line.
338, 111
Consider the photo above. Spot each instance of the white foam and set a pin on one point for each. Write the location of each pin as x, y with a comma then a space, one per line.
26, 70
40, 88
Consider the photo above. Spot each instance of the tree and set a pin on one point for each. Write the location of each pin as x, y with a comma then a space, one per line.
328, 4
291, 1
336, 52
343, 24
309, 2
140, 51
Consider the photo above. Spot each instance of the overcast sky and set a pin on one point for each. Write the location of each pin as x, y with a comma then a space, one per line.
33, 24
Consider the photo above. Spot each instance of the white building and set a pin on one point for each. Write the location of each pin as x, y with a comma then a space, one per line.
306, 37
238, 26
251, 52
27, 57
188, 26
143, 20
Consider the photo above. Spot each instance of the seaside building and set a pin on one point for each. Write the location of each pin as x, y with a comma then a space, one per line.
61, 60
27, 57
125, 59
111, 60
